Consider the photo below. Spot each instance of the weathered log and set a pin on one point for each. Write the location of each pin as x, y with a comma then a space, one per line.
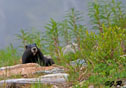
58, 78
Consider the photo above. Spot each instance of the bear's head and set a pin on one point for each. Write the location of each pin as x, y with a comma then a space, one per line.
33, 48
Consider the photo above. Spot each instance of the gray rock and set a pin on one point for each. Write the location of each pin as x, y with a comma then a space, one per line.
52, 71
10, 67
47, 56
58, 78
70, 48
80, 62
19, 66
57, 75
124, 86
91, 86
29, 69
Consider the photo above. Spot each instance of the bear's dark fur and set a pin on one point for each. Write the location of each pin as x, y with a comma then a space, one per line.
32, 54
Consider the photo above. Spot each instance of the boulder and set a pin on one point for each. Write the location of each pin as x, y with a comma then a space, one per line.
55, 79
27, 69
72, 48
50, 78
47, 75
51, 71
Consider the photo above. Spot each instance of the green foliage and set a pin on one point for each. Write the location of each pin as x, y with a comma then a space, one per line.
31, 37
75, 29
23, 36
39, 85
65, 32
102, 51
109, 45
8, 56
53, 36
108, 12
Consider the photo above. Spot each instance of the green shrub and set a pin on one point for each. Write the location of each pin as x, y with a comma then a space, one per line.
102, 50
9, 56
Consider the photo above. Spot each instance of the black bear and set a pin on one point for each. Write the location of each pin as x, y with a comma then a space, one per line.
32, 54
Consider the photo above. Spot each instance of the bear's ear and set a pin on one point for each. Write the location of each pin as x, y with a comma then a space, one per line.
35, 44
26, 46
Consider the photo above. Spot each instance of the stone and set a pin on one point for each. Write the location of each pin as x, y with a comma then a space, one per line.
51, 71
124, 86
27, 69
54, 75
57, 75
91, 86
54, 86
70, 48
58, 78
47, 56
19, 66
123, 56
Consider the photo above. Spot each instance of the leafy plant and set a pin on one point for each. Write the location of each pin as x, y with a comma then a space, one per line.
53, 37
74, 19
9, 56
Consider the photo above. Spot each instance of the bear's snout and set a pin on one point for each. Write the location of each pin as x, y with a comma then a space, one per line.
34, 50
